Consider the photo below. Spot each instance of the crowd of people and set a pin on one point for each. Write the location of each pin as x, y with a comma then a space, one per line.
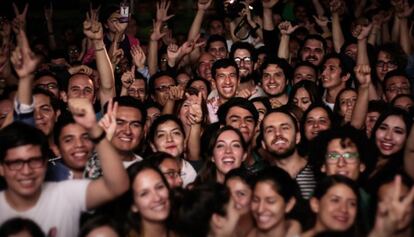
267, 118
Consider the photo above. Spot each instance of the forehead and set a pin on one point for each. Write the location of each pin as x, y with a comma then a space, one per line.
80, 80
45, 80
332, 61
228, 135
313, 43
341, 190
272, 68
128, 112
206, 57
339, 144
304, 70
216, 23
348, 93
40, 99
397, 79
138, 83
238, 111
229, 69
168, 125
277, 118
384, 56
72, 129
395, 121
164, 80
242, 53
169, 164
198, 83
217, 44
317, 112
22, 152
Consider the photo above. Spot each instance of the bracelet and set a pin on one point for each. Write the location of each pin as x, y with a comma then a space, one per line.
100, 49
98, 139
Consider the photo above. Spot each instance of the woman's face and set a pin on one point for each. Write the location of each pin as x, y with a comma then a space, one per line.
262, 111
268, 207
241, 193
201, 87
169, 138
347, 101
370, 121
336, 210
391, 135
302, 99
228, 152
172, 172
151, 196
316, 121
185, 109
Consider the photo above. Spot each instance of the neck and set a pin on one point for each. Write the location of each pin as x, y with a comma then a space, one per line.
277, 231
77, 174
21, 203
153, 229
127, 155
333, 92
247, 85
219, 177
292, 164
245, 225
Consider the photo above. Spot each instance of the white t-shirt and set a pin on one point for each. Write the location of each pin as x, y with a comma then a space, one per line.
188, 173
59, 207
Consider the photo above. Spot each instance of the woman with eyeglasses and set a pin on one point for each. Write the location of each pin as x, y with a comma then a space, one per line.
169, 167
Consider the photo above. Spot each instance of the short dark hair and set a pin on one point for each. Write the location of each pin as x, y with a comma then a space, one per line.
100, 221
396, 54
161, 120
54, 102
345, 67
243, 45
16, 225
315, 37
20, 134
282, 63
151, 84
223, 63
236, 102
215, 38
283, 111
129, 101
64, 119
394, 73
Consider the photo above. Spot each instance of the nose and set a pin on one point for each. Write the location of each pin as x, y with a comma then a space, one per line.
38, 114
157, 196
261, 207
178, 181
26, 169
315, 124
79, 142
228, 149
341, 161
169, 137
343, 207
388, 135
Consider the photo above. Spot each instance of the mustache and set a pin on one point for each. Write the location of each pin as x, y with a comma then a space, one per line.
311, 57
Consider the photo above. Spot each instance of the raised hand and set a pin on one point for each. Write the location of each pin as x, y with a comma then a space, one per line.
116, 55
138, 56
363, 74
162, 10
362, 32
286, 28
48, 12
268, 4
108, 122
5, 31
203, 5
80, 69
128, 78
20, 18
176, 93
195, 113
322, 21
156, 31
24, 61
335, 6
92, 28
82, 111
405, 10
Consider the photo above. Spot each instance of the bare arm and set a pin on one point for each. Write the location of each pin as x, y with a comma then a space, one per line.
115, 179
409, 154
285, 29
195, 117
49, 22
267, 14
337, 34
404, 28
318, 7
363, 74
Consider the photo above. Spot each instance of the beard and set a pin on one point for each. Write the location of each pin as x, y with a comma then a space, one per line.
281, 155
246, 78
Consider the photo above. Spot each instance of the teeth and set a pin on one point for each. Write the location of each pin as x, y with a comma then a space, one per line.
125, 139
79, 154
228, 89
263, 218
159, 207
278, 142
26, 182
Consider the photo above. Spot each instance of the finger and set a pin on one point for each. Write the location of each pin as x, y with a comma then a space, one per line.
408, 200
26, 7
397, 186
15, 9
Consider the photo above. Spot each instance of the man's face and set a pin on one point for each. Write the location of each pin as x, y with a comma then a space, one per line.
162, 87
396, 85
218, 50
384, 64
216, 28
279, 135
112, 20
44, 114
75, 146
205, 62
6, 106
129, 129
25, 182
242, 120
331, 74
313, 52
244, 61
47, 83
81, 86
227, 82
304, 73
273, 80
137, 90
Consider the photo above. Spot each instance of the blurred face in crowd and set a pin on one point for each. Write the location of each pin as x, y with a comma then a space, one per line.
75, 146
302, 99
396, 85
205, 62
304, 73
228, 152
172, 172
201, 87
44, 114
274, 80
6, 106
342, 158
241, 119
227, 82
216, 28
331, 75
169, 138
162, 87
268, 206
241, 193
279, 135
137, 90
404, 102
336, 210
313, 52
347, 100
129, 129
151, 196
391, 135
218, 50
152, 114
47, 83
370, 121
316, 121
182, 79
384, 64
244, 61
80, 86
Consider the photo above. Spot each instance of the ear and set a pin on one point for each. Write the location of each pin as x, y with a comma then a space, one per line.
314, 204
346, 77
362, 167
1, 170
263, 145
291, 203
297, 137
217, 221
134, 208
154, 149
64, 96
323, 168
244, 157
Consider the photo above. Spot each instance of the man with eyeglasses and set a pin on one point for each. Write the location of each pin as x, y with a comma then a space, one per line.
396, 83
390, 57
244, 54
47, 80
159, 87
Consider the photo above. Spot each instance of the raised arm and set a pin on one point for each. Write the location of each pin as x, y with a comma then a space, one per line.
285, 29
93, 30
409, 154
337, 34
202, 7
115, 179
403, 15
195, 117
318, 7
363, 75
155, 36
48, 11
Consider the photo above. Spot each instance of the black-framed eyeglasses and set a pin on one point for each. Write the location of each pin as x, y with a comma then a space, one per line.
390, 64
47, 86
34, 163
172, 174
163, 88
349, 157
246, 60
